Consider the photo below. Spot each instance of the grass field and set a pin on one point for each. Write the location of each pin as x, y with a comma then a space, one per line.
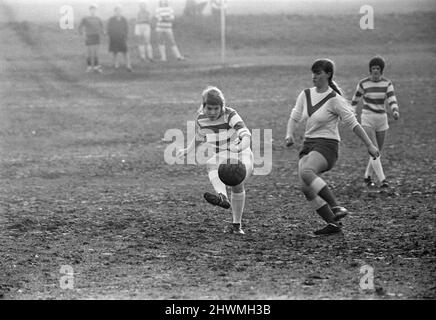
84, 182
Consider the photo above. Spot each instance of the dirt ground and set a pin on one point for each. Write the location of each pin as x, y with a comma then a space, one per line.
84, 184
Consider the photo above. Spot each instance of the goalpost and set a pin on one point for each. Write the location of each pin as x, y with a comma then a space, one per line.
221, 6
223, 30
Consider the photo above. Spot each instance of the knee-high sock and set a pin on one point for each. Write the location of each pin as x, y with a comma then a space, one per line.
176, 52
369, 171
95, 61
141, 51
378, 169
162, 52
323, 209
238, 202
320, 188
89, 61
149, 51
217, 184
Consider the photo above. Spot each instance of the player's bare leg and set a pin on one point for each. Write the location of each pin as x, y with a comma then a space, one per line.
220, 198
317, 192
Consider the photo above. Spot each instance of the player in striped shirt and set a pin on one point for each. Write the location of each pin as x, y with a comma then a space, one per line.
164, 29
376, 91
225, 131
322, 107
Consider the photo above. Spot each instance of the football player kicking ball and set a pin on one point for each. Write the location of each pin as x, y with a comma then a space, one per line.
223, 128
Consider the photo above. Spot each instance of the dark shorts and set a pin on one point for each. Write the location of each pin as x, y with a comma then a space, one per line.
117, 44
329, 149
92, 39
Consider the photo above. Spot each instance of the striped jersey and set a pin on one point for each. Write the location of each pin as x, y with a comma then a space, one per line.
374, 94
229, 127
92, 25
323, 111
165, 17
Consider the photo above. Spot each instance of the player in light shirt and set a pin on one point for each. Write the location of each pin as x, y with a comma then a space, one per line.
323, 107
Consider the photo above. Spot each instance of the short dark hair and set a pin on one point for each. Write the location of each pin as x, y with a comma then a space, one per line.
377, 61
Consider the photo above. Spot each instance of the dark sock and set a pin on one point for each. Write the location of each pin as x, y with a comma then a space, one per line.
328, 196
95, 61
88, 61
326, 214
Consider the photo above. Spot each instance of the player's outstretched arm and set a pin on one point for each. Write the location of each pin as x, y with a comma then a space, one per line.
290, 132
372, 149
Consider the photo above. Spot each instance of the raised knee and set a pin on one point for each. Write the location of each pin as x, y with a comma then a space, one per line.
306, 174
306, 191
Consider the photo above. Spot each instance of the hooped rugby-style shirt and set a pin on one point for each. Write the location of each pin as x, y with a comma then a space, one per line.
374, 94
220, 132
165, 17
323, 111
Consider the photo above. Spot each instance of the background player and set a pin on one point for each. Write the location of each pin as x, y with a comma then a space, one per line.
118, 31
164, 29
143, 32
376, 90
92, 26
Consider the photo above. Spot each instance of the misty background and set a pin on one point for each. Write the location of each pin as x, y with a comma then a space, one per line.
49, 10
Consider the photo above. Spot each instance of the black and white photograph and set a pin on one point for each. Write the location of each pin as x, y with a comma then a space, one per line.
237, 152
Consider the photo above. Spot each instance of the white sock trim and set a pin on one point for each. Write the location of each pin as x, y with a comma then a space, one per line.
378, 168
238, 196
238, 203
317, 185
217, 184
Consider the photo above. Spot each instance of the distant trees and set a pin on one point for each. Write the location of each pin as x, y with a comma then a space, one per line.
194, 8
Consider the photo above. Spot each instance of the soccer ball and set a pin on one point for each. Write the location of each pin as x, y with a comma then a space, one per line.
232, 173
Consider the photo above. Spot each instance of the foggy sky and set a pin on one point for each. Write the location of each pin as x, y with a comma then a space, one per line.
41, 10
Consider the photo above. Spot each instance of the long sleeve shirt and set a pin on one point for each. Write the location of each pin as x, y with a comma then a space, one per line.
117, 27
323, 111
228, 127
374, 95
91, 25
165, 17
